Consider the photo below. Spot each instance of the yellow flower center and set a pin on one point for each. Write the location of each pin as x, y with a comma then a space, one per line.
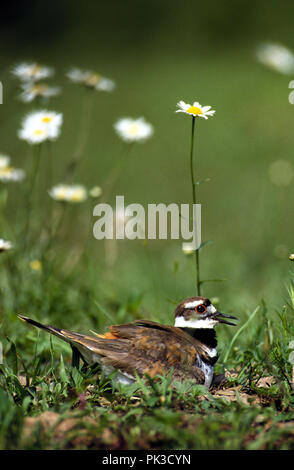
194, 110
60, 194
39, 89
36, 265
47, 119
77, 196
93, 79
6, 171
38, 132
133, 129
36, 69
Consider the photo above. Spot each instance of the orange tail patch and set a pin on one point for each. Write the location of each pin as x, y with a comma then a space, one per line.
108, 335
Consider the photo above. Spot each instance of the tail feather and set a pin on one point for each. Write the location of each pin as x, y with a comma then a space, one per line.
92, 348
49, 328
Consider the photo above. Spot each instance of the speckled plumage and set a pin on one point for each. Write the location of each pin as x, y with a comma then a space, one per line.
146, 347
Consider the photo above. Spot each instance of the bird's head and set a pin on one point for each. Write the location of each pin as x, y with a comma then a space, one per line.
199, 312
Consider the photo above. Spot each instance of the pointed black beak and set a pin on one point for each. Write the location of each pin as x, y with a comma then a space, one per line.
219, 317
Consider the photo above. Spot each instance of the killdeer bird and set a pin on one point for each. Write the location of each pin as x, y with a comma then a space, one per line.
147, 347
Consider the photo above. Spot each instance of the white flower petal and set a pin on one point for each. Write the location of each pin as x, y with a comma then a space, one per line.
39, 126
5, 245
196, 110
277, 57
68, 193
133, 130
32, 72
4, 161
90, 79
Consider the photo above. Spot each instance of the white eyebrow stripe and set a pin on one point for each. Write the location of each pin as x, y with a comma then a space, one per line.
181, 322
193, 304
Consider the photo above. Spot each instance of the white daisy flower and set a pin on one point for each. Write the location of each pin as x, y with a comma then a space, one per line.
39, 126
33, 133
68, 193
277, 57
90, 79
32, 72
77, 76
35, 90
188, 248
95, 192
9, 173
4, 161
195, 109
133, 130
105, 84
5, 245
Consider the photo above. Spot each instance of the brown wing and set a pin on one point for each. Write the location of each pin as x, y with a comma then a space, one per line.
151, 348
141, 347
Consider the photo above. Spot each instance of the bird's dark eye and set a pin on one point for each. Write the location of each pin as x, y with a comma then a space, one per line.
201, 309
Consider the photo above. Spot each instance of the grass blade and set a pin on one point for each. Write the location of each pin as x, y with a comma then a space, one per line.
239, 332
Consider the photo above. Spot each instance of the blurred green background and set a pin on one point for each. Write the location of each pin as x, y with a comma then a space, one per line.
159, 52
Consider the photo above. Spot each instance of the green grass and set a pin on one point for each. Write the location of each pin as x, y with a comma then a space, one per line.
45, 402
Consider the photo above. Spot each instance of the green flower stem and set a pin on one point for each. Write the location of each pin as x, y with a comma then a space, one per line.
55, 224
89, 238
193, 182
30, 190
3, 203
110, 182
50, 166
83, 136
35, 168
54, 229
49, 178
